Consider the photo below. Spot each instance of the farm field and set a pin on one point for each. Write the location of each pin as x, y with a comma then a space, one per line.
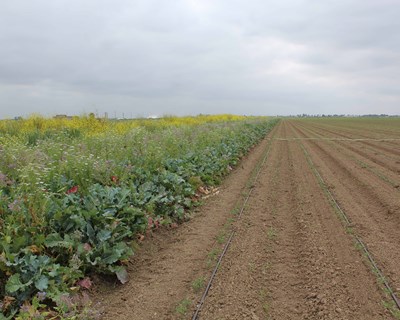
317, 189
78, 196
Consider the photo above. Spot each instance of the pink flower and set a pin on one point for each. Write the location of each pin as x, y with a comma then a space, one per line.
87, 247
85, 283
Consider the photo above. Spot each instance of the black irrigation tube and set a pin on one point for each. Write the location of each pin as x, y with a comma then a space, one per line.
348, 224
227, 244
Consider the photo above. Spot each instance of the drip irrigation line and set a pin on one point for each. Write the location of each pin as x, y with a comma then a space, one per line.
357, 238
227, 244
203, 298
255, 179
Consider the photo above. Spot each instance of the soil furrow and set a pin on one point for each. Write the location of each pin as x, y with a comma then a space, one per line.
355, 131
384, 195
291, 258
390, 160
382, 168
390, 147
373, 209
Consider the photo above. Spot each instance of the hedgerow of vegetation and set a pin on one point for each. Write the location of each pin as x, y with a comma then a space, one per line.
76, 195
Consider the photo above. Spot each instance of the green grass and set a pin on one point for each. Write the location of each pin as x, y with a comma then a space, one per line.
221, 237
271, 233
198, 284
212, 257
183, 306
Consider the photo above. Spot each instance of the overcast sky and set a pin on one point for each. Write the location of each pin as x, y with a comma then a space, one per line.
183, 57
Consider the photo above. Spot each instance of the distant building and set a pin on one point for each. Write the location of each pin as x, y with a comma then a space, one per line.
62, 116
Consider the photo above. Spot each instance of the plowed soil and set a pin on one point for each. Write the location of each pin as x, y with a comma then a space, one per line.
291, 256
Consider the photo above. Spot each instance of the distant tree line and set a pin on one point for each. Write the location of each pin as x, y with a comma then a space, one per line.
305, 115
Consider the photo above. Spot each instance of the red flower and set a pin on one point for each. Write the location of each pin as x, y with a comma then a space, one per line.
114, 179
74, 189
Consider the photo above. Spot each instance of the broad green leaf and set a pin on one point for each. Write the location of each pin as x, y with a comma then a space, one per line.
55, 240
103, 235
42, 283
111, 257
122, 274
90, 231
14, 283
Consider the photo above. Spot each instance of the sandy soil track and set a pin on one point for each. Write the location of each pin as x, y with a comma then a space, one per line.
291, 257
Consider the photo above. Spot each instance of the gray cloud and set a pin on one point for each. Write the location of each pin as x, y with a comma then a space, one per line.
192, 56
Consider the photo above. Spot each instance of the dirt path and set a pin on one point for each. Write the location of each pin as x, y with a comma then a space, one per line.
291, 257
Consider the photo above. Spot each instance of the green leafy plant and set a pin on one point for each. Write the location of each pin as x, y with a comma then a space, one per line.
73, 203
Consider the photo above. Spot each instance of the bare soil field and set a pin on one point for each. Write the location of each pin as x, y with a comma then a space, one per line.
292, 256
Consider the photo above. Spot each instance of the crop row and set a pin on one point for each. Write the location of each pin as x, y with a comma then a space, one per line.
74, 205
